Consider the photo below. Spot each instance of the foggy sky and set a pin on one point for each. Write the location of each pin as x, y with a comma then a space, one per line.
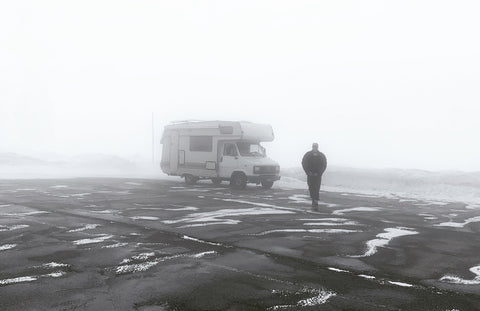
375, 83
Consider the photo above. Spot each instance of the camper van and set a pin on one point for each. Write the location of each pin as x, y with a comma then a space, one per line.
219, 151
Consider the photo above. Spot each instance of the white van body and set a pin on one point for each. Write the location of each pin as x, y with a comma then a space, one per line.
219, 150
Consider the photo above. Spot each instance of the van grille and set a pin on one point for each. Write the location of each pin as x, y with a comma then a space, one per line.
266, 169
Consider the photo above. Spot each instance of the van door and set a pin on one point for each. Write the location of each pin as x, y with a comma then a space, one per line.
228, 161
174, 152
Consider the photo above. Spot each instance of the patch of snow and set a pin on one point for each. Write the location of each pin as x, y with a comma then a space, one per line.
472, 206
338, 270
333, 231
14, 227
136, 267
133, 268
5, 247
115, 245
307, 231
459, 224
144, 218
347, 223
400, 284
55, 265
190, 190
18, 280
324, 219
24, 279
80, 194
320, 299
186, 237
143, 256
203, 254
226, 222
458, 280
385, 238
86, 227
186, 208
98, 239
55, 274
356, 209
216, 217
370, 277
107, 211
300, 198
259, 204
24, 214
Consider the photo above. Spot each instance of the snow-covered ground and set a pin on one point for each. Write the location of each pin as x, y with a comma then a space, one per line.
443, 186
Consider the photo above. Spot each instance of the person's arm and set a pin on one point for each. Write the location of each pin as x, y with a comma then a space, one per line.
324, 162
305, 164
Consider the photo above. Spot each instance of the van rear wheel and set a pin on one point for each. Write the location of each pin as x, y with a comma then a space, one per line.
238, 181
190, 179
267, 184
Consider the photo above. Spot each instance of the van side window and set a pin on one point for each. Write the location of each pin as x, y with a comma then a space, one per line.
230, 150
201, 143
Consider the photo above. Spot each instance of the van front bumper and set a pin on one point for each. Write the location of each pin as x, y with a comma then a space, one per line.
262, 178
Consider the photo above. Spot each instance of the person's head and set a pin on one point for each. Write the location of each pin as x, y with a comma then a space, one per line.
315, 147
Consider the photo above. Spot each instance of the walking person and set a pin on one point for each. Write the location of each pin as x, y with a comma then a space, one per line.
314, 164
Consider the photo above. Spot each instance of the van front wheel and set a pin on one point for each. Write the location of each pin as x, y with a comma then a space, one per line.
267, 184
190, 179
238, 181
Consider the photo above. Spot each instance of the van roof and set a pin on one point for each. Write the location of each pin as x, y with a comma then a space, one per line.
239, 129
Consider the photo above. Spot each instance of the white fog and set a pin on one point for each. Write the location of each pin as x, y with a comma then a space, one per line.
379, 85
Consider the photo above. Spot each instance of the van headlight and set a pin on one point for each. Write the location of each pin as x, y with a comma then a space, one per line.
256, 169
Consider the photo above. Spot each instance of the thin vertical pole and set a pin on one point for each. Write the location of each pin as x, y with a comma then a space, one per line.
153, 140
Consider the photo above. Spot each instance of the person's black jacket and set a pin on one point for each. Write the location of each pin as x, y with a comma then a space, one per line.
314, 162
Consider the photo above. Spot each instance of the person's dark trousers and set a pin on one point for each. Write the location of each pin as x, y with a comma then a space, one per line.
314, 183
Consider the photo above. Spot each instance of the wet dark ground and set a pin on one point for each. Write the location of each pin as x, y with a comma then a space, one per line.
131, 244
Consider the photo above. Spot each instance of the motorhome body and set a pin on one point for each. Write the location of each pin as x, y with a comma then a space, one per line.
219, 150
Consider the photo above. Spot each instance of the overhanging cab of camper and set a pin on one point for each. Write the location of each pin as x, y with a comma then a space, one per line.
220, 151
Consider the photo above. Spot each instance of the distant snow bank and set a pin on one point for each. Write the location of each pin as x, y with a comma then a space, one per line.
441, 186
14, 166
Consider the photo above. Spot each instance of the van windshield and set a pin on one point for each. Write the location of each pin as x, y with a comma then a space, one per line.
247, 149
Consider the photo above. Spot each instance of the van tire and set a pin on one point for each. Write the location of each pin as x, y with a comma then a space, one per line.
216, 181
190, 179
267, 184
238, 180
